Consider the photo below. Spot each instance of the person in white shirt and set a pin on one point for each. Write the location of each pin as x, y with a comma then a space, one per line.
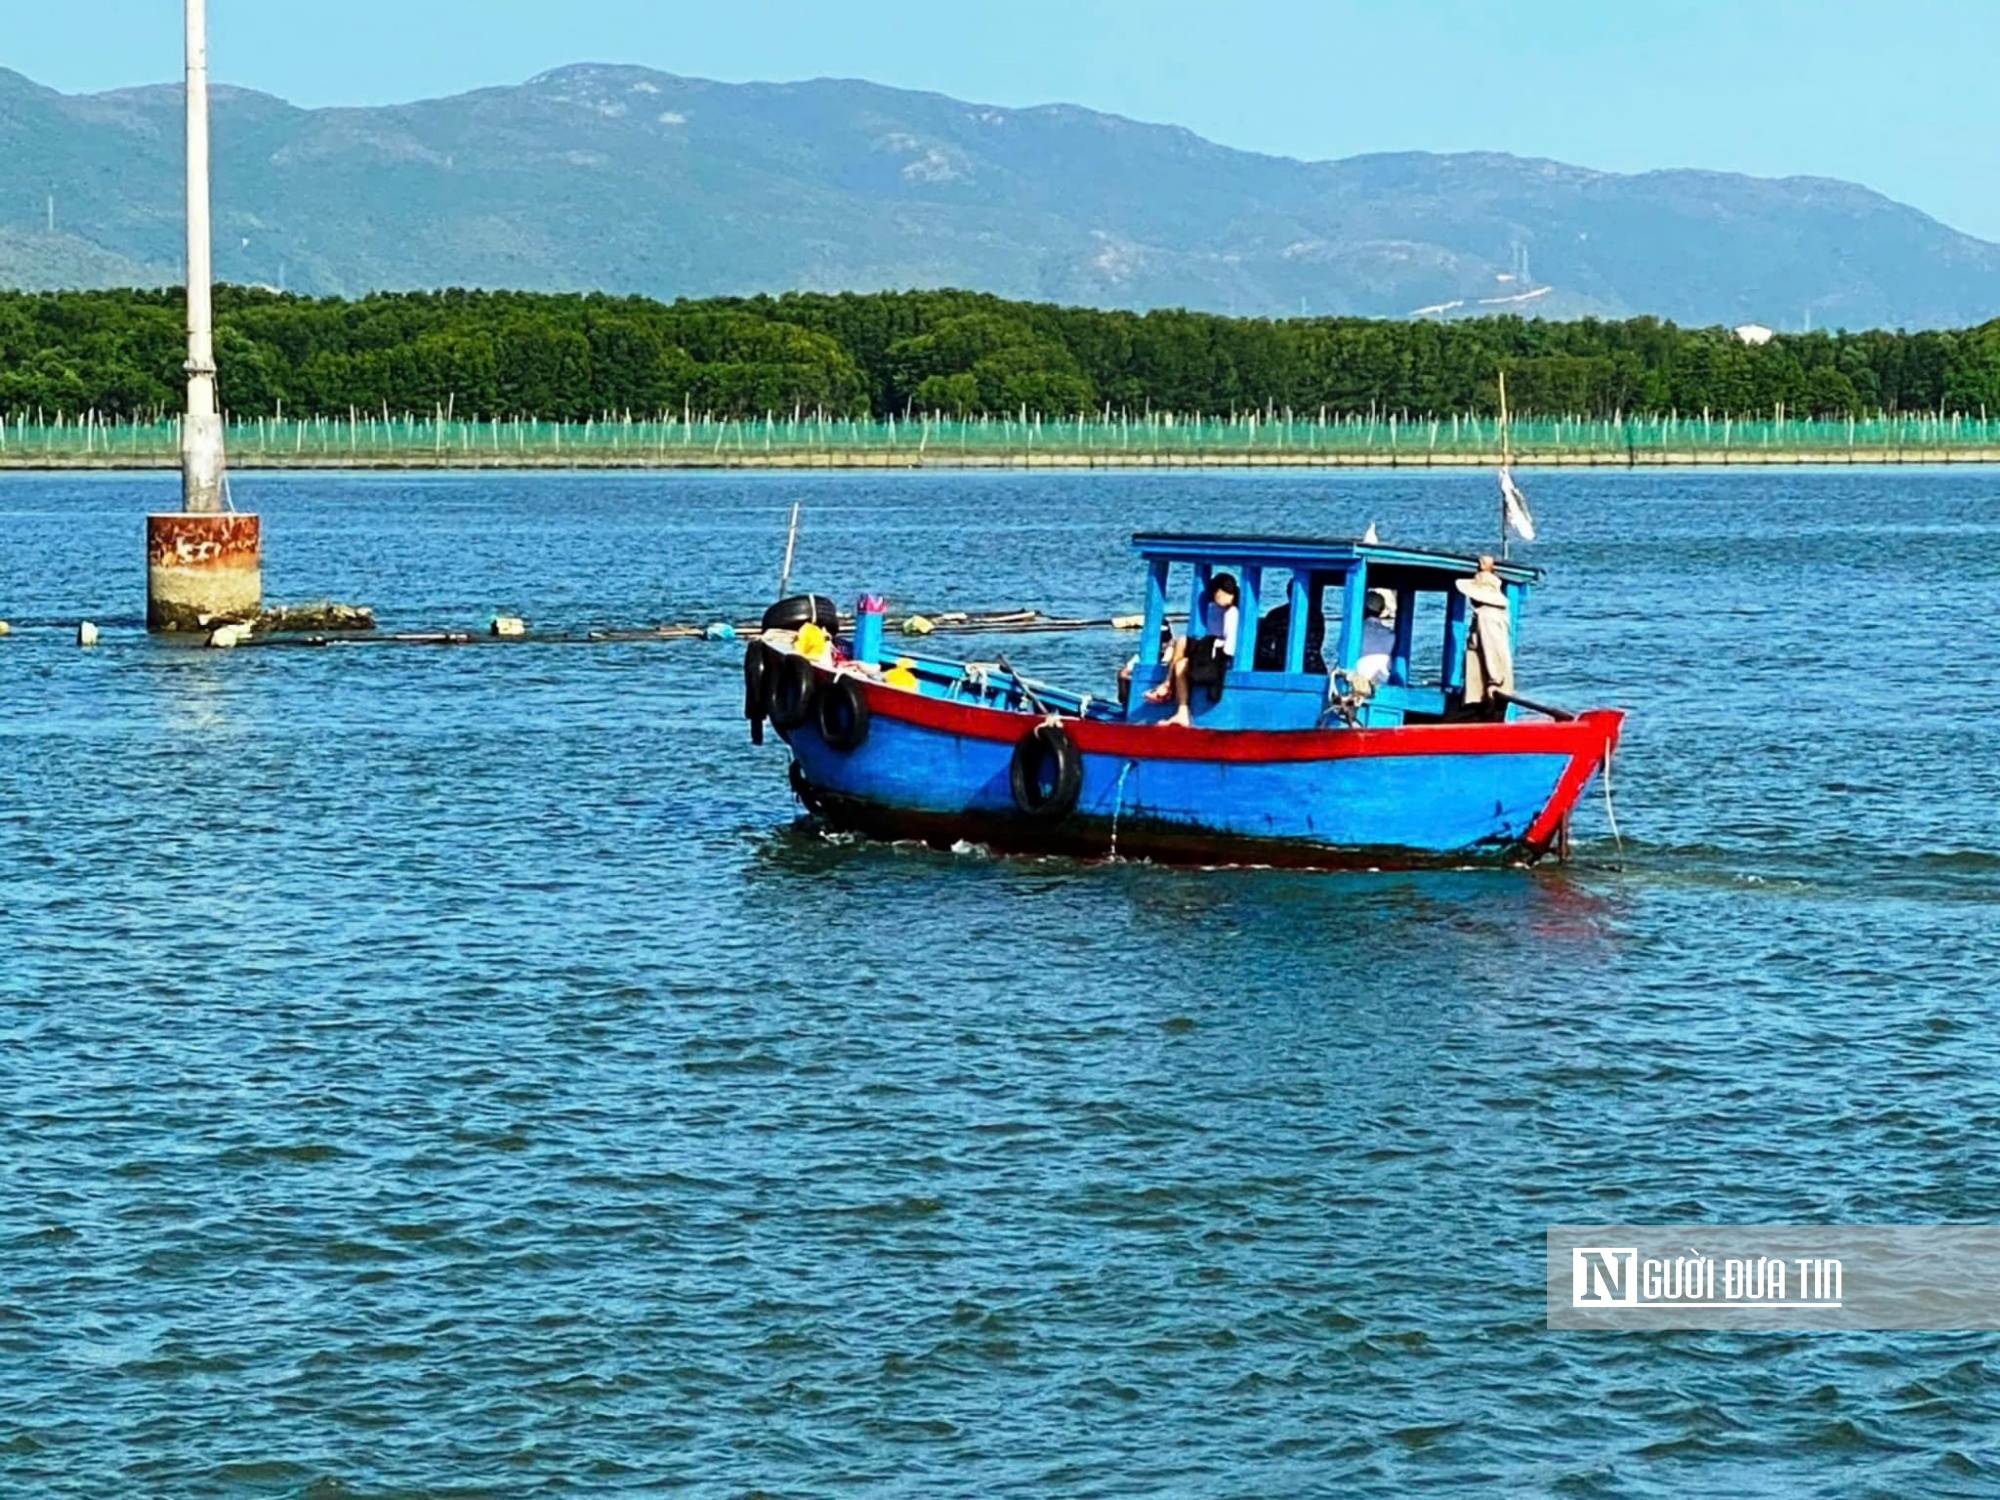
1378, 637
1201, 661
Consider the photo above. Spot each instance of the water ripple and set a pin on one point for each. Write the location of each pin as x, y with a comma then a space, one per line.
441, 1073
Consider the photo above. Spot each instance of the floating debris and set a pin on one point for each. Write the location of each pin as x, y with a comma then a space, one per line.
318, 615
86, 634
513, 628
226, 637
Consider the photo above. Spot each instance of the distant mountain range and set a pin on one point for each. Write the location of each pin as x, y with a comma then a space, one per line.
622, 179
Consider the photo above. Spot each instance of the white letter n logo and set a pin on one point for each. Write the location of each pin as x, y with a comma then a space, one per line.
1601, 1277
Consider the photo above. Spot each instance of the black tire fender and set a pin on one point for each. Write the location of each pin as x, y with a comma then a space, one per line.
790, 685
758, 659
802, 609
843, 714
1046, 776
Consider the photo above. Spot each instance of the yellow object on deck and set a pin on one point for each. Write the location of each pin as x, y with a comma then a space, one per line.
900, 675
812, 640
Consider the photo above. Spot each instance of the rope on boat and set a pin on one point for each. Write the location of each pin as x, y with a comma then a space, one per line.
1611, 813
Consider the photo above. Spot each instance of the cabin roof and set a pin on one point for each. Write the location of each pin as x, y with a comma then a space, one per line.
1318, 552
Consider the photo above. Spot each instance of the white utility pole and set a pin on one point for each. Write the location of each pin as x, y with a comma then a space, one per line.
201, 430
204, 565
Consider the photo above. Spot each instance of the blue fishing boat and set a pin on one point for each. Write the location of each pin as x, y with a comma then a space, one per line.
1359, 721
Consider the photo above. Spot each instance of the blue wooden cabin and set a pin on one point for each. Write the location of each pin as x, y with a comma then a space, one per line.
1321, 587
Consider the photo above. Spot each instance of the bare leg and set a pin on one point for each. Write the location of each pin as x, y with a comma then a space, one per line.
1176, 657
1180, 716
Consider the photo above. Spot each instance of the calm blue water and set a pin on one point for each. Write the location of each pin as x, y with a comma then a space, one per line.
434, 1071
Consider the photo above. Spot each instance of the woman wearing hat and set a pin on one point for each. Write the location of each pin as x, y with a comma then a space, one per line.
1489, 648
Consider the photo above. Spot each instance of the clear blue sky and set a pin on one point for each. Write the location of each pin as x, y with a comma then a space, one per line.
1894, 96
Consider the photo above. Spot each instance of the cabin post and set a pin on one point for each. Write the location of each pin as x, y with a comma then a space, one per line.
1353, 597
1250, 578
203, 564
1517, 598
1457, 626
1301, 603
1156, 612
1197, 597
1406, 636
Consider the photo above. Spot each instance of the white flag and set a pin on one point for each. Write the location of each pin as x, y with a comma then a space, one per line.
1516, 505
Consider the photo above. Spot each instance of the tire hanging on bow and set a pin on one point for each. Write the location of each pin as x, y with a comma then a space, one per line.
789, 689
759, 661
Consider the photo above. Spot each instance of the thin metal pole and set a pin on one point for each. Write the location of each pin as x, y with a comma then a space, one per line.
791, 540
201, 432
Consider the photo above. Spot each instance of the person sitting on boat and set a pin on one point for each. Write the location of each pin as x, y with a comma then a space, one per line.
1489, 646
1132, 665
1274, 634
1194, 662
1378, 637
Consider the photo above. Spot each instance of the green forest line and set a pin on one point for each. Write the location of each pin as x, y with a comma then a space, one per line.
516, 356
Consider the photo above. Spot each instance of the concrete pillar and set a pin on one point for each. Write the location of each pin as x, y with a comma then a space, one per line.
201, 571
202, 564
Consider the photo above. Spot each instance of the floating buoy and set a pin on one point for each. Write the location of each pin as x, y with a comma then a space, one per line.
223, 637
86, 634
509, 625
5, 628
720, 631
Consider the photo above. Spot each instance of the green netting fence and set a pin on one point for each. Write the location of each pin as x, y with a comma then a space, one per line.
31, 439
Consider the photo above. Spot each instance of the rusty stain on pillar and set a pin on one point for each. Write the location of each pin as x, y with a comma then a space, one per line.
201, 570
203, 564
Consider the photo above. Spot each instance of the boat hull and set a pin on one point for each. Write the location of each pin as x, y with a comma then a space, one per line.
938, 771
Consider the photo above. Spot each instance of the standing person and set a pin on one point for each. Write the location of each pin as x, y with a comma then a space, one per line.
1489, 647
1201, 661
